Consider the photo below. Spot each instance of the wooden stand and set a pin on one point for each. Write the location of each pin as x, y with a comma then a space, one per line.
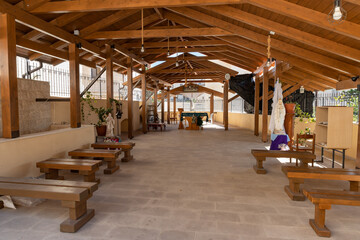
192, 126
181, 125
289, 125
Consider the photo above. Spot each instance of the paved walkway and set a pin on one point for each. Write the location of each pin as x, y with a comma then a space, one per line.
196, 185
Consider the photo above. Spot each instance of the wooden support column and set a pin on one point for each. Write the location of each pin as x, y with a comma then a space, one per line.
75, 115
265, 98
256, 106
143, 99
211, 103
130, 96
8, 78
109, 75
162, 105
226, 105
174, 99
155, 104
168, 105
357, 165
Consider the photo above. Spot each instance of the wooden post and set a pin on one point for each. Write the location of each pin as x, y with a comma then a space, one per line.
226, 105
155, 103
211, 103
358, 143
109, 75
256, 106
265, 109
75, 116
8, 78
143, 99
175, 108
168, 105
162, 105
130, 97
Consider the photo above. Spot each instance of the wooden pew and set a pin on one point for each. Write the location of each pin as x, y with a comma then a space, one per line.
72, 194
323, 199
85, 167
261, 155
297, 175
109, 156
126, 147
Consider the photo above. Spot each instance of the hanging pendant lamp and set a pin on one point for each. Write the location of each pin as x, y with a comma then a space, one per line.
337, 14
142, 31
168, 43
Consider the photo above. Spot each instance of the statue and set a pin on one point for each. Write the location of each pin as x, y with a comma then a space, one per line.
110, 124
279, 117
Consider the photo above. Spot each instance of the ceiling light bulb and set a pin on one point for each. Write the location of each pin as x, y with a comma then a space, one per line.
302, 89
337, 13
268, 63
142, 48
177, 64
168, 53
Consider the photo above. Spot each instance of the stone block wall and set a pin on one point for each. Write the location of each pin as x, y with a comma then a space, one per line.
33, 116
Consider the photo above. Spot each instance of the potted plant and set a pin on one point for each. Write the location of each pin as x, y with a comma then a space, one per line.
101, 112
289, 105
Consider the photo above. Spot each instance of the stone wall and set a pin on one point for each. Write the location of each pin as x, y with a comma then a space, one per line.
34, 116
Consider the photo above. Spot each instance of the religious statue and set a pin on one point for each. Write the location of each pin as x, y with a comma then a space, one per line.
110, 124
279, 117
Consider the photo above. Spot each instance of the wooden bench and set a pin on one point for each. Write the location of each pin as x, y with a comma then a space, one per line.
155, 126
323, 199
85, 167
126, 147
1, 204
261, 155
297, 175
73, 195
109, 156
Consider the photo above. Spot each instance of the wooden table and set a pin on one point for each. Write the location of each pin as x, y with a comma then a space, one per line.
126, 147
109, 156
85, 167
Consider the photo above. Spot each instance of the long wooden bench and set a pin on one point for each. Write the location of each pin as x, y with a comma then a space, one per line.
85, 167
261, 155
126, 147
323, 199
297, 175
109, 156
72, 194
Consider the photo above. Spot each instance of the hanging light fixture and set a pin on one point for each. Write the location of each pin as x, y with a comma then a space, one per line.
168, 43
268, 62
338, 13
142, 31
177, 54
302, 89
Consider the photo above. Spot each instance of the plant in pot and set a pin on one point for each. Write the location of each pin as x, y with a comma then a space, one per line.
101, 112
289, 104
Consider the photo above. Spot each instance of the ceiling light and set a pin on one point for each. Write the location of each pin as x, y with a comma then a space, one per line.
302, 89
337, 14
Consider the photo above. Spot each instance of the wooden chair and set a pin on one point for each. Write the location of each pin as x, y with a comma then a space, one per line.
298, 148
173, 118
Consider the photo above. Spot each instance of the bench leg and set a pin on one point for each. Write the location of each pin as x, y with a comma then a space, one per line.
1, 204
293, 189
52, 174
318, 224
78, 216
89, 176
354, 186
127, 156
111, 166
259, 169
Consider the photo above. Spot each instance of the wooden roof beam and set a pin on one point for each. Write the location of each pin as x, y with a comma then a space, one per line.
110, 5
199, 43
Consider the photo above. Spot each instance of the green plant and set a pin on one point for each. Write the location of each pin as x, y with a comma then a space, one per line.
303, 115
351, 98
101, 111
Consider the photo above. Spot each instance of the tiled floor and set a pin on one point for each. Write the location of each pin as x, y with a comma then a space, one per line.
188, 185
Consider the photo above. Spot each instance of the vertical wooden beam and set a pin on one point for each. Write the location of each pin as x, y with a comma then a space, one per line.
156, 103
162, 105
226, 105
109, 75
8, 78
357, 165
143, 99
256, 105
75, 116
265, 104
130, 96
168, 105
211, 103
174, 108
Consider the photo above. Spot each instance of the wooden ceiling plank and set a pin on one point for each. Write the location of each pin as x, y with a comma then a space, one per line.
308, 15
276, 44
289, 32
110, 5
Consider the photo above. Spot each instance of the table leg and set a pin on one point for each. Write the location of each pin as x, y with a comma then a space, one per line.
343, 160
322, 154
333, 158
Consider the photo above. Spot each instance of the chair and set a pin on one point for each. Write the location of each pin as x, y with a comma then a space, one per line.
299, 148
173, 118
